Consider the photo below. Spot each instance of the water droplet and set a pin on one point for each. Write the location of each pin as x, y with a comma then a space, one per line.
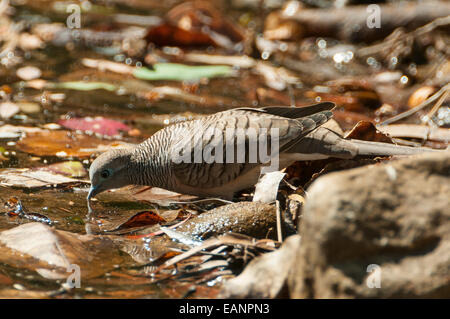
322, 44
404, 79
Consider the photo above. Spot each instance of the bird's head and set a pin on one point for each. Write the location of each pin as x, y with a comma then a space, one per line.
110, 170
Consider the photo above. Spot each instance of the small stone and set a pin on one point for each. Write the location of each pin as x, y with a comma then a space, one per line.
19, 287
29, 73
8, 109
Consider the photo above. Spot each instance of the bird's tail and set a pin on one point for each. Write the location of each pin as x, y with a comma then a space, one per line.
376, 148
323, 143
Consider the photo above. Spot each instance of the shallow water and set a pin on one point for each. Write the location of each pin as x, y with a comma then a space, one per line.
121, 257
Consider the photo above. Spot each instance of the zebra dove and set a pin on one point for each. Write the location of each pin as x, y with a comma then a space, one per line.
216, 155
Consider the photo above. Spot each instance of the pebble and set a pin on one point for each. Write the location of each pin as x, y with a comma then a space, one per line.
19, 287
29, 73
8, 109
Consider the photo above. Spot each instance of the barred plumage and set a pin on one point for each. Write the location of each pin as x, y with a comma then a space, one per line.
222, 153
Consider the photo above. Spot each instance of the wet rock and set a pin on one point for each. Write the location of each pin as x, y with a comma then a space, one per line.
146, 251
385, 226
266, 275
377, 231
250, 218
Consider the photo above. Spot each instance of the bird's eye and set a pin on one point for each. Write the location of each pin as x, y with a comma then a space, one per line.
105, 173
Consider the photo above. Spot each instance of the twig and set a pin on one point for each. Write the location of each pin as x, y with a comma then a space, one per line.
291, 94
436, 107
204, 200
418, 107
418, 32
279, 233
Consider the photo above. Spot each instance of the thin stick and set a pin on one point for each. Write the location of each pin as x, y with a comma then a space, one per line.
204, 200
436, 106
280, 235
418, 107
418, 32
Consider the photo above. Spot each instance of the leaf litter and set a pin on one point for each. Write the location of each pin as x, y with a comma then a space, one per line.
200, 59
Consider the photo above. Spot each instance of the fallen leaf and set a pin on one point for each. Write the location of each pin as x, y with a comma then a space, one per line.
196, 23
161, 196
11, 131
366, 131
25, 294
347, 120
147, 218
267, 187
51, 175
181, 72
100, 125
64, 144
167, 34
52, 253
72, 169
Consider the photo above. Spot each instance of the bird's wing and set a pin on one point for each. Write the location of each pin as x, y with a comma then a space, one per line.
293, 112
200, 158
323, 141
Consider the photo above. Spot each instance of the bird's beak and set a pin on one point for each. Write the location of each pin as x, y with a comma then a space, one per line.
92, 192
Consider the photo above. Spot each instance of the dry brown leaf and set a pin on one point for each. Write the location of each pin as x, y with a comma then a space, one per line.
64, 144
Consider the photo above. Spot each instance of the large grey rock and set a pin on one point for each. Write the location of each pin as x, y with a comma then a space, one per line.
395, 216
384, 225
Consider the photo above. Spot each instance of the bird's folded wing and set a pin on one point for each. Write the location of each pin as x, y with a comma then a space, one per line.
294, 112
201, 158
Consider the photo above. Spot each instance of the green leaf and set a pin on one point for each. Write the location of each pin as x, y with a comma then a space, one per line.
181, 72
84, 86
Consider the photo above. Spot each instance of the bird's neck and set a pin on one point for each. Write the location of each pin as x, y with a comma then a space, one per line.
150, 163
